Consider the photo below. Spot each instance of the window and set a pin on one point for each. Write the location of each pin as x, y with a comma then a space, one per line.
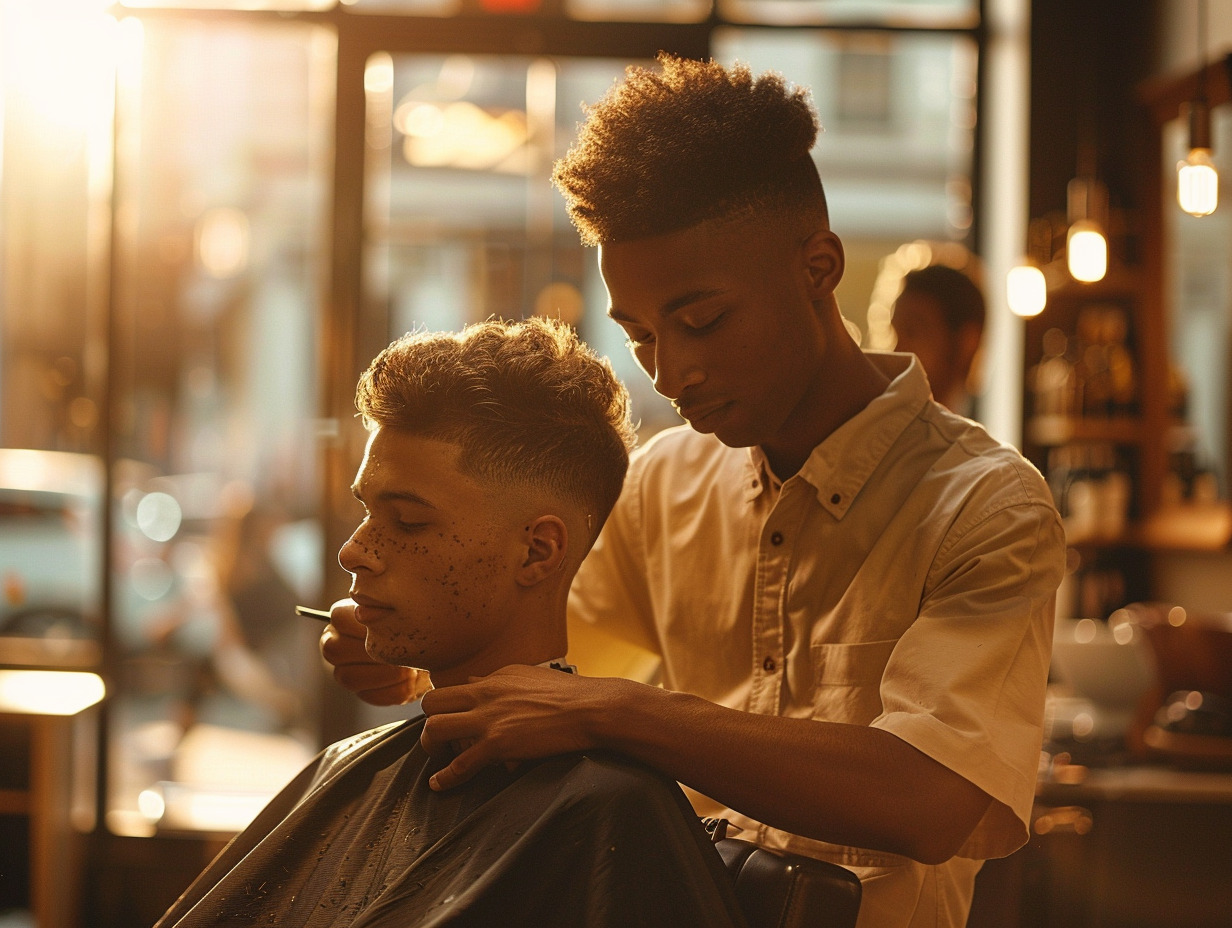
163, 303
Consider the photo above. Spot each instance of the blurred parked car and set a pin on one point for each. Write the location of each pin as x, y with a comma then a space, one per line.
49, 545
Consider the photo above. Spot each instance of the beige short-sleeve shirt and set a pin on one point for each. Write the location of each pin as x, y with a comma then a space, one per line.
904, 579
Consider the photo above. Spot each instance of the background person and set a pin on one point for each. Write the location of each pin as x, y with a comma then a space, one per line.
939, 317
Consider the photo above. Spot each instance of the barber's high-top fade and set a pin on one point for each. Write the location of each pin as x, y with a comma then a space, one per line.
693, 141
527, 402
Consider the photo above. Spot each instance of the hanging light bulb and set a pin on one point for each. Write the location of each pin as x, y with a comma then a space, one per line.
1086, 248
1197, 181
1026, 288
1026, 291
1086, 251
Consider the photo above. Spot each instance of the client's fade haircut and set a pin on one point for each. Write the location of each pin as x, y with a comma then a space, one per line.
528, 403
692, 141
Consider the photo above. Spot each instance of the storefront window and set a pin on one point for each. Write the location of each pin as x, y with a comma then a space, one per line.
162, 299
221, 192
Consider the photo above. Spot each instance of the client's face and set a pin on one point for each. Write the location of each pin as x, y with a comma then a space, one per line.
433, 562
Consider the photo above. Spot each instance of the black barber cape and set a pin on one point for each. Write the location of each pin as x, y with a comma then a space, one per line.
359, 839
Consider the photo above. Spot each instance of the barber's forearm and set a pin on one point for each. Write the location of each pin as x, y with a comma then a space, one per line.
847, 784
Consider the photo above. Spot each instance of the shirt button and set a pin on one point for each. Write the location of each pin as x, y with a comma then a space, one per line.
776, 539
768, 665
836, 499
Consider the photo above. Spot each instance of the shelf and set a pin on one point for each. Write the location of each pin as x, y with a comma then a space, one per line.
1188, 527
1176, 527
1140, 784
1058, 430
1131, 538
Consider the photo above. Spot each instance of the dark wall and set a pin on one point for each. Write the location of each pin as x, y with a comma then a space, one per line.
1087, 60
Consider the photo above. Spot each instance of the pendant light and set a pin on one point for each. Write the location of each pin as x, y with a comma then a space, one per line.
1026, 288
1197, 181
1086, 247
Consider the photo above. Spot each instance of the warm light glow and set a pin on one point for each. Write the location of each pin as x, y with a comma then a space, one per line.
1086, 251
57, 59
48, 692
199, 808
159, 516
1197, 183
1084, 631
1026, 291
462, 135
222, 242
150, 804
379, 73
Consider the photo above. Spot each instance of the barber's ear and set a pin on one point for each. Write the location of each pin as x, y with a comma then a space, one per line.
825, 262
547, 541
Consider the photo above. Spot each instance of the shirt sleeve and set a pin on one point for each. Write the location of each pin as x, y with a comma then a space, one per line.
966, 683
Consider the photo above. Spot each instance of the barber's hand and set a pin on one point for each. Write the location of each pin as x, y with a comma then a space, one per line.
373, 681
515, 714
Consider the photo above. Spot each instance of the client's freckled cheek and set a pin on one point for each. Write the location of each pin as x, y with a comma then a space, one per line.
373, 544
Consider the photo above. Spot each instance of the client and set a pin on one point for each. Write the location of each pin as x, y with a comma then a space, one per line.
494, 457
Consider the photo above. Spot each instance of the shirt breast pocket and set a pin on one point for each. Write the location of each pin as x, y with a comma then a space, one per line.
847, 680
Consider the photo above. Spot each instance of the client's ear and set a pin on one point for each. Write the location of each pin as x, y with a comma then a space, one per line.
546, 542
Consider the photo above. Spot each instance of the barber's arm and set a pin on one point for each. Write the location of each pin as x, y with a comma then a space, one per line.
967, 688
841, 783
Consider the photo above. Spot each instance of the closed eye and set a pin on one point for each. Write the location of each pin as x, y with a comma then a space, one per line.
636, 338
702, 326
634, 344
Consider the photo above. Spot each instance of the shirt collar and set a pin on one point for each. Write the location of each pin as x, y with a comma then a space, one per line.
839, 467
761, 478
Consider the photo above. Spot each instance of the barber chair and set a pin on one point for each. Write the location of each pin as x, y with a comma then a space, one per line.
776, 889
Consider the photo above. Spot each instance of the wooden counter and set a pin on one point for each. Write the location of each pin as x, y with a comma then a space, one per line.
1131, 847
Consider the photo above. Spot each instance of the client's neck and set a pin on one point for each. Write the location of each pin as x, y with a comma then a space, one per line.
531, 638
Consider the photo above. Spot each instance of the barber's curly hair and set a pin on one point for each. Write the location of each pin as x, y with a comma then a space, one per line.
528, 403
691, 141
